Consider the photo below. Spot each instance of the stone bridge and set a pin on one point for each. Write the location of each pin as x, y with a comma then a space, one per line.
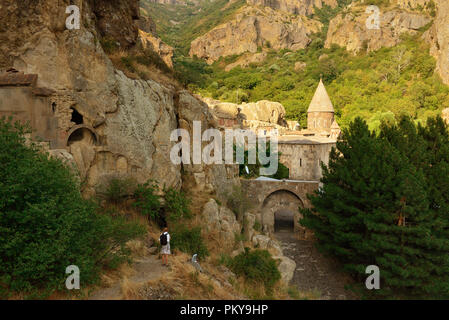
278, 197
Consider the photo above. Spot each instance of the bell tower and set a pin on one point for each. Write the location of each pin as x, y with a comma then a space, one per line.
320, 115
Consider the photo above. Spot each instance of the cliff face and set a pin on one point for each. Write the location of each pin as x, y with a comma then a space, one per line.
438, 37
300, 7
253, 28
349, 30
132, 119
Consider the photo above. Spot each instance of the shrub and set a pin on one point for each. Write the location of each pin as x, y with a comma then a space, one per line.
45, 224
256, 266
176, 205
188, 241
146, 200
117, 189
109, 45
282, 173
238, 202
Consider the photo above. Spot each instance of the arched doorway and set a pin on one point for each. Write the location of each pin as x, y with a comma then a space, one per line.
284, 220
82, 133
280, 211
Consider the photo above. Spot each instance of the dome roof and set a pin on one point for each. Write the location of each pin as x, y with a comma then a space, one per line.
321, 101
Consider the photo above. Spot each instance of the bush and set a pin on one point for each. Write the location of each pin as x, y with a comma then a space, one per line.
146, 199
176, 205
117, 189
109, 45
238, 202
45, 224
256, 266
188, 241
282, 173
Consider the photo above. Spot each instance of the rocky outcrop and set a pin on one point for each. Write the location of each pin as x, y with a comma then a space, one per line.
146, 24
264, 111
202, 178
140, 133
251, 29
148, 41
122, 126
286, 267
438, 37
115, 20
302, 7
349, 30
247, 59
221, 222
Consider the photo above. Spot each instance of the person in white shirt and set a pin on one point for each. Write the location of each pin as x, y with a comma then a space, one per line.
164, 239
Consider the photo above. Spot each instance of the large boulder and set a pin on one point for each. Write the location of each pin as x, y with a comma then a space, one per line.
286, 267
261, 241
263, 111
221, 221
266, 243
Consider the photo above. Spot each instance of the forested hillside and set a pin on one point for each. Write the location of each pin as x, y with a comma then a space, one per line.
376, 85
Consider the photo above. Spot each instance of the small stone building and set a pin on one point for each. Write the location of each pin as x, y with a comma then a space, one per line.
25, 102
303, 155
302, 152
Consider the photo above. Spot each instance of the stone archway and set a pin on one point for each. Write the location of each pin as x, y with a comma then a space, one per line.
281, 204
82, 132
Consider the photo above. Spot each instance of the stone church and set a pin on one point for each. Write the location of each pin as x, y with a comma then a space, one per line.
303, 151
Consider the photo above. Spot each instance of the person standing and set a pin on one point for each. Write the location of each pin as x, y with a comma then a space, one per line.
164, 239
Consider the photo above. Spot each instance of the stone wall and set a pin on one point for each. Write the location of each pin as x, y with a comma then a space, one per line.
271, 196
303, 160
24, 106
319, 120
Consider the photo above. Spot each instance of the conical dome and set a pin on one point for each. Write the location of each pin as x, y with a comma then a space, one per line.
321, 101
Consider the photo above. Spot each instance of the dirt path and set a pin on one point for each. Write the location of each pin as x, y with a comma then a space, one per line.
146, 269
314, 272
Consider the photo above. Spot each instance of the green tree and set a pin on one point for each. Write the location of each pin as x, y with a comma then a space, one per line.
374, 209
45, 224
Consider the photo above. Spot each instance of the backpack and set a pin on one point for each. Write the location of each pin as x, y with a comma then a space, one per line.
163, 239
